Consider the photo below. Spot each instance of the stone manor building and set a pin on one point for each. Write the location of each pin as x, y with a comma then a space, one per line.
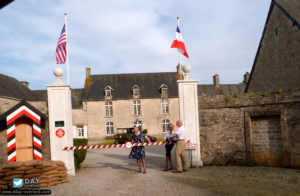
256, 122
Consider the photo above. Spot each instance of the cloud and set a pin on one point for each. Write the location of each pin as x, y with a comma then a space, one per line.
122, 36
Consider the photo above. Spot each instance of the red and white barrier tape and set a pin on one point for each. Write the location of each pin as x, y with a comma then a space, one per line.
127, 145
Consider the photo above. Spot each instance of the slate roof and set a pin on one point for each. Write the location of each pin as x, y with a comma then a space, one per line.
41, 95
225, 89
123, 83
77, 98
10, 87
76, 94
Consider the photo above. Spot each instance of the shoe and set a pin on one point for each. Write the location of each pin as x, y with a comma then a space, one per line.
184, 170
165, 169
144, 172
140, 170
176, 172
170, 168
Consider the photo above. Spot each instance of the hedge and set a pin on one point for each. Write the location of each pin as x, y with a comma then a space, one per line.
79, 155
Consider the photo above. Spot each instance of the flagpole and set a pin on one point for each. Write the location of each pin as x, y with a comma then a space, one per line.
179, 55
67, 56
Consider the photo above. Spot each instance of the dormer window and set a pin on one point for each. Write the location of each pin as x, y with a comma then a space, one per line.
108, 91
163, 90
135, 91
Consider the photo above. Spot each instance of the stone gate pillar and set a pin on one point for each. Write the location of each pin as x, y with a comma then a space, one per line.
188, 112
60, 121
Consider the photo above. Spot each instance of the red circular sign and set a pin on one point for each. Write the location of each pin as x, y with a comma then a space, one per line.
128, 145
60, 133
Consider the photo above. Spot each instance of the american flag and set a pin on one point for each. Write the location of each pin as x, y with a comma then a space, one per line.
61, 51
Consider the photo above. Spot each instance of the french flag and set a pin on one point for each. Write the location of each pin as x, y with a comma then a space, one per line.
179, 43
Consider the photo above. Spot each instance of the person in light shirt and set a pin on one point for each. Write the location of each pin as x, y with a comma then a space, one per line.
169, 146
179, 136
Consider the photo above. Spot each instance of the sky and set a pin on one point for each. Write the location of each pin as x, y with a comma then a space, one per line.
130, 36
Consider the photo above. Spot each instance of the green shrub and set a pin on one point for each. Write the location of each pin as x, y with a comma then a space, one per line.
267, 94
291, 104
228, 99
79, 155
235, 94
280, 90
145, 131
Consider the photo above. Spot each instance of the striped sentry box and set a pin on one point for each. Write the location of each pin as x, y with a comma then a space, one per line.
127, 145
11, 131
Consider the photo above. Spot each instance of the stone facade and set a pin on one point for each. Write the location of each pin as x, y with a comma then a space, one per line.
277, 62
251, 129
123, 116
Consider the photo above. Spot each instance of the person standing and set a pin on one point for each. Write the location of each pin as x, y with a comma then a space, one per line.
169, 138
138, 152
180, 144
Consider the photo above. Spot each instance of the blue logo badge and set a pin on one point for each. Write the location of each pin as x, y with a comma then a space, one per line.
18, 183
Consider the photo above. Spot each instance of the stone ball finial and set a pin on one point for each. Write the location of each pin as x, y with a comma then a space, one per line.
58, 72
187, 68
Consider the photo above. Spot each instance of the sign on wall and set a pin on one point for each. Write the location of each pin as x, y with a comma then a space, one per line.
59, 123
60, 133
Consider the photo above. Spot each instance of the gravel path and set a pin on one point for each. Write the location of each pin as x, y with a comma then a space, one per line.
110, 172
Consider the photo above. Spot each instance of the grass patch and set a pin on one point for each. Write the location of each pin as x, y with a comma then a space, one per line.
234, 180
106, 142
160, 139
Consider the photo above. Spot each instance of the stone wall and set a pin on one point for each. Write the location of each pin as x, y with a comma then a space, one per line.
278, 62
251, 129
123, 116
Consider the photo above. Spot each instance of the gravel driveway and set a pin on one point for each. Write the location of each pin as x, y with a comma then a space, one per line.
110, 172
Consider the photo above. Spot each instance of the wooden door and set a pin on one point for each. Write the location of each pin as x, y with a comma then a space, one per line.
24, 143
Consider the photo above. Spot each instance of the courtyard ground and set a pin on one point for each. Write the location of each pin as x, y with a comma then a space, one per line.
110, 172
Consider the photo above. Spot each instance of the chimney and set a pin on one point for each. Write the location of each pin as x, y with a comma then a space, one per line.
87, 77
26, 84
246, 77
87, 73
216, 81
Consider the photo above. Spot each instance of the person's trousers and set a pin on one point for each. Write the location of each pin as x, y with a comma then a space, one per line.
180, 155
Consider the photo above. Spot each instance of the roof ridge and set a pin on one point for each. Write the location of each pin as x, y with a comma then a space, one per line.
132, 73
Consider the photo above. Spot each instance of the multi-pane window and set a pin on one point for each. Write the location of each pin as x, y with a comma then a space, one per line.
108, 109
164, 106
109, 128
165, 125
108, 93
137, 123
80, 131
137, 107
